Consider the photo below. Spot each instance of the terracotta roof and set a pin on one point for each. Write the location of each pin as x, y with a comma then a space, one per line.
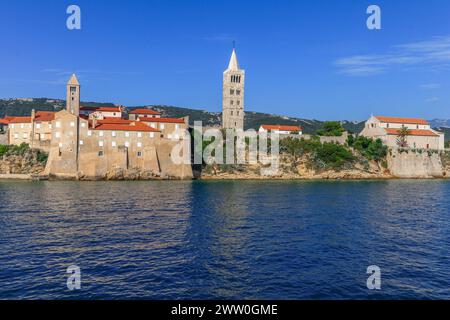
20, 120
6, 120
402, 120
114, 120
104, 109
44, 116
166, 120
281, 128
133, 126
145, 111
428, 133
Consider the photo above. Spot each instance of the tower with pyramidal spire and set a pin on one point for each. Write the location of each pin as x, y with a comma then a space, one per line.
233, 95
73, 96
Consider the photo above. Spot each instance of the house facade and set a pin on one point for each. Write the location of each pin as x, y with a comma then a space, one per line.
420, 135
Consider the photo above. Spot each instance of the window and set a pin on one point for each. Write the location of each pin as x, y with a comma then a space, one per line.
152, 134
38, 125
81, 142
89, 133
100, 133
153, 125
72, 124
127, 134
57, 134
238, 113
238, 102
231, 91
113, 133
50, 126
22, 125
139, 144
231, 112
139, 134
127, 144
139, 154
162, 126
113, 144
24, 135
238, 92
16, 136
58, 124
177, 127
100, 153
100, 143
417, 126
232, 102
12, 126
73, 89
83, 124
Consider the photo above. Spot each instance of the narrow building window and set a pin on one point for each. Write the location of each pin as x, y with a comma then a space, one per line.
139, 154
100, 153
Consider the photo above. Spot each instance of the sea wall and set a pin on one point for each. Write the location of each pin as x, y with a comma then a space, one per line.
403, 163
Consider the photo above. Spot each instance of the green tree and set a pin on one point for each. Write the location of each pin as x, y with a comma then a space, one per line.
331, 129
402, 135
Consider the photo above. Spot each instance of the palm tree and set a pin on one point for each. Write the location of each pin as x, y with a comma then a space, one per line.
402, 137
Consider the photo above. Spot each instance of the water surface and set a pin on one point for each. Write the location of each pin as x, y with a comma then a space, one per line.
225, 240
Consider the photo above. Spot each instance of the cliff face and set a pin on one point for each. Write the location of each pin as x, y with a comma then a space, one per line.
416, 164
300, 168
28, 162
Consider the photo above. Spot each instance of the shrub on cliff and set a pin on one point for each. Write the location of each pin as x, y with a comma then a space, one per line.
368, 147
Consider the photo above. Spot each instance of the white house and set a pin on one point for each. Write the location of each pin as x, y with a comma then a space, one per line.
281, 129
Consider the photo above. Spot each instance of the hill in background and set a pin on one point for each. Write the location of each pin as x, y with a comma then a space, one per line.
23, 107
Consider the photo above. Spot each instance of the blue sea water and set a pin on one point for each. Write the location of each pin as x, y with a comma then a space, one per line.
225, 240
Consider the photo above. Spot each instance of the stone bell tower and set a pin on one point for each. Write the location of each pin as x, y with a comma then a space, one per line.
233, 95
73, 96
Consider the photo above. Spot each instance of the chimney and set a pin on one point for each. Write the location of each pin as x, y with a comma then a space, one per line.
94, 122
33, 115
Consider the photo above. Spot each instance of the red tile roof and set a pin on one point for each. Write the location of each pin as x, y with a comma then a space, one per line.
6, 120
114, 120
402, 120
166, 120
104, 109
145, 111
281, 128
20, 120
428, 133
42, 116
133, 126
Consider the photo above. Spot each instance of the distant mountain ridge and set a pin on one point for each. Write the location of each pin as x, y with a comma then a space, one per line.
23, 107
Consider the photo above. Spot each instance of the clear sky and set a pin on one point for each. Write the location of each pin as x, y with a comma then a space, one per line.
308, 58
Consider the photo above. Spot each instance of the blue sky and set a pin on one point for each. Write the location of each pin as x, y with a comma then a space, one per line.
310, 59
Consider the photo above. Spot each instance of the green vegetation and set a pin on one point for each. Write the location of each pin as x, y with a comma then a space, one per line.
331, 129
323, 156
402, 134
21, 150
369, 148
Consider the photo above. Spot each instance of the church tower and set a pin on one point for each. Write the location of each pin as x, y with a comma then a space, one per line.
73, 96
233, 95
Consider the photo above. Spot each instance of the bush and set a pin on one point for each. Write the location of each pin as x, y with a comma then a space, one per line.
369, 148
331, 129
327, 155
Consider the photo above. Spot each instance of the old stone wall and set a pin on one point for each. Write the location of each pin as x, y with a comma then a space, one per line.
415, 164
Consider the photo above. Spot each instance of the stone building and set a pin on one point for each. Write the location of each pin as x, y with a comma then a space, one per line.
233, 95
143, 113
35, 130
420, 134
98, 147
